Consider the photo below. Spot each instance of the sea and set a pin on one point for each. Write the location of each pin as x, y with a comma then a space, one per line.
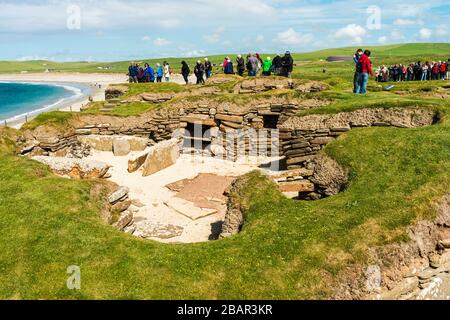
18, 100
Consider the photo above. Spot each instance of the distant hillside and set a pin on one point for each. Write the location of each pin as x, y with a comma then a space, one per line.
384, 54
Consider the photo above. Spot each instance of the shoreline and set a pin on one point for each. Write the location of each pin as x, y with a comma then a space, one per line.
95, 84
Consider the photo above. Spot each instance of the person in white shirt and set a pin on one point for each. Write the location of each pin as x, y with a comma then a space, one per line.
166, 71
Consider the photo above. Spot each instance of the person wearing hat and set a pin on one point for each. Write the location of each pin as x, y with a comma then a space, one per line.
287, 64
267, 67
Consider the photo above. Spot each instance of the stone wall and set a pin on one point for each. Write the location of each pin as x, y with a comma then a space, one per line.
322, 177
303, 137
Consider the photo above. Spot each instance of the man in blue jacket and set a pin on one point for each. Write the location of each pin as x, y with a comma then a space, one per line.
149, 73
356, 58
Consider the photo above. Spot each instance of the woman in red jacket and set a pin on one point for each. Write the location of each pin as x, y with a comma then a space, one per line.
443, 70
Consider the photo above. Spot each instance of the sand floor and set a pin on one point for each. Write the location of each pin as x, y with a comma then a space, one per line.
152, 192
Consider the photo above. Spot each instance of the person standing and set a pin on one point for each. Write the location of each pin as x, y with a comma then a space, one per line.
149, 73
240, 65
366, 69
267, 67
259, 66
287, 65
442, 70
199, 71
229, 69
185, 71
276, 65
435, 71
159, 72
424, 72
252, 65
356, 58
208, 68
166, 71
133, 73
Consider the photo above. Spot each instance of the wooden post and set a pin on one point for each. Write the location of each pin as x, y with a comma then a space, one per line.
26, 118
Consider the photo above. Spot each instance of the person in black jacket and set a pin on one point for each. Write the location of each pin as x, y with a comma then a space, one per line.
199, 70
208, 68
287, 65
240, 65
276, 65
185, 71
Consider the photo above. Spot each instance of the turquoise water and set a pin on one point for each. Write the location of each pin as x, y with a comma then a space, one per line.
20, 99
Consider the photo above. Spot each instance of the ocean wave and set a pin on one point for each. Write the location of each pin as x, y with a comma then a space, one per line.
77, 93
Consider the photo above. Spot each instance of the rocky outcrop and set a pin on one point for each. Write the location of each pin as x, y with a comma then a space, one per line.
51, 141
321, 177
120, 214
114, 92
75, 168
234, 217
417, 269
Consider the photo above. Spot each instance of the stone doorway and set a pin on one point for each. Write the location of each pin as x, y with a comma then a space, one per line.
197, 137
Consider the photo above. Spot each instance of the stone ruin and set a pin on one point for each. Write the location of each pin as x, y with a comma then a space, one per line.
269, 127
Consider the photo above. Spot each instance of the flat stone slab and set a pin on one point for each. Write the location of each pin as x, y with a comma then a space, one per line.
161, 156
106, 143
148, 230
118, 195
297, 186
75, 168
188, 209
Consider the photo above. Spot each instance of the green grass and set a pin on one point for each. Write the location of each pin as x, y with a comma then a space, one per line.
55, 118
125, 110
287, 250
401, 53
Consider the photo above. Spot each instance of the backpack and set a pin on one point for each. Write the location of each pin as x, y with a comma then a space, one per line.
359, 66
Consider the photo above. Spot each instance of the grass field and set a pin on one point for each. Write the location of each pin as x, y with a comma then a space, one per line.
403, 53
287, 249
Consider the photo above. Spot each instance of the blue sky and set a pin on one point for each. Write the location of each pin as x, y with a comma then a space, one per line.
106, 30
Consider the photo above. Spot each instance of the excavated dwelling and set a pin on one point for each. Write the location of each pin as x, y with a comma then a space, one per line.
173, 165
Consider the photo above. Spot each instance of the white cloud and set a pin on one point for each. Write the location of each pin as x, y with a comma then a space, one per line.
259, 38
382, 39
442, 30
146, 38
214, 37
404, 22
352, 31
425, 33
161, 42
397, 35
293, 38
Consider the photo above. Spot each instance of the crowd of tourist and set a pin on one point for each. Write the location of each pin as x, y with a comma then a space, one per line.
253, 65
414, 72
436, 70
138, 74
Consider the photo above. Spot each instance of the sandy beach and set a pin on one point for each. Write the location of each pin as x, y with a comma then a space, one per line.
96, 84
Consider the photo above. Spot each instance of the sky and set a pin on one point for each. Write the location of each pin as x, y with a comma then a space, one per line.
112, 30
